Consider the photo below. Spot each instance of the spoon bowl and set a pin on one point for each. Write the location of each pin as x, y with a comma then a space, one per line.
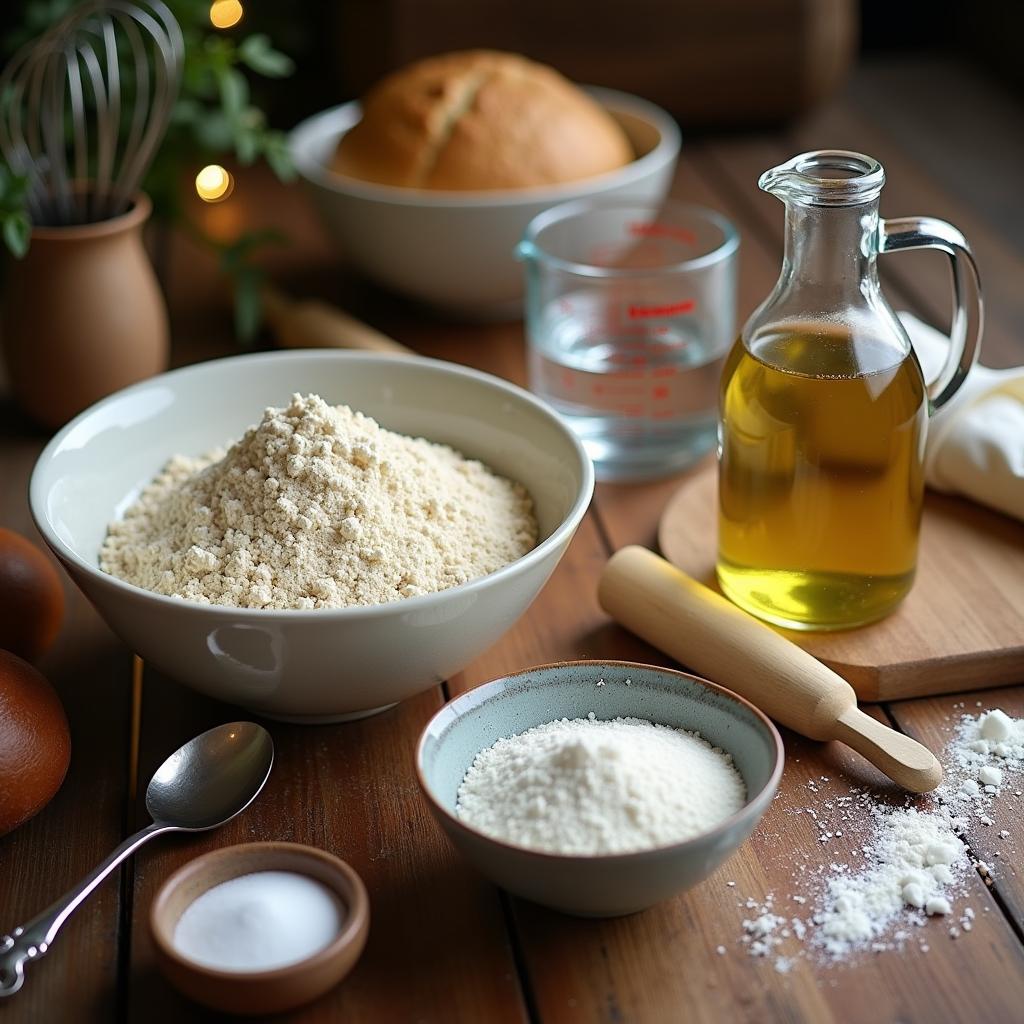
203, 784
211, 778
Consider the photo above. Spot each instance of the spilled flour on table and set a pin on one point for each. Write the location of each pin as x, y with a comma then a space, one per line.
910, 864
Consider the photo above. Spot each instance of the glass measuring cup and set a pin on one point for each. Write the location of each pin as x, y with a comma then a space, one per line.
825, 410
630, 310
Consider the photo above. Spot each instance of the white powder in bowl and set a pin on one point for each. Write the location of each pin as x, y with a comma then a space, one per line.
586, 786
319, 507
259, 922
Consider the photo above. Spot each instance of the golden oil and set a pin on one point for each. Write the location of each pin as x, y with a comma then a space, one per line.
820, 478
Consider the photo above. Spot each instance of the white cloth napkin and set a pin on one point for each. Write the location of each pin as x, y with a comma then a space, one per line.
976, 441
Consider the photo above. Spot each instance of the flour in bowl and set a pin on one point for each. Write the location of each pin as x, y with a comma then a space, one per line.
586, 786
318, 506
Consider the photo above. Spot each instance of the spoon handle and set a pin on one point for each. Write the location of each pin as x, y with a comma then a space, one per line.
32, 940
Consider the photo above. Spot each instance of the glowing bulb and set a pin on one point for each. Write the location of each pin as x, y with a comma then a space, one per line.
213, 183
225, 13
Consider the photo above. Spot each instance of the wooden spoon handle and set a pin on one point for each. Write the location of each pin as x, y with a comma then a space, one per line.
309, 323
706, 632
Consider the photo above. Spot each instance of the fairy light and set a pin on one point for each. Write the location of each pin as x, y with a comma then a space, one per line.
214, 183
225, 13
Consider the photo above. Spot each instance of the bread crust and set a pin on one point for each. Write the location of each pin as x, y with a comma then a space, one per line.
480, 119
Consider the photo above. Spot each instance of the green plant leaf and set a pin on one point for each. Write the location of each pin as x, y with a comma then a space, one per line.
17, 231
234, 92
186, 111
247, 145
275, 149
248, 307
256, 53
214, 131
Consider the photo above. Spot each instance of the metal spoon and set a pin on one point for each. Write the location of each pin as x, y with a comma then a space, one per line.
200, 786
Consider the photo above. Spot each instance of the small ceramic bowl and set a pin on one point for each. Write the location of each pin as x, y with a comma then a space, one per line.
321, 664
455, 250
260, 992
598, 885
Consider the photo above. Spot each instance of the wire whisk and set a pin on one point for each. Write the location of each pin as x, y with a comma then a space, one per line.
84, 107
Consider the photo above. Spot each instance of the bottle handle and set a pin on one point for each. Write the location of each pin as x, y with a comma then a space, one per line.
965, 330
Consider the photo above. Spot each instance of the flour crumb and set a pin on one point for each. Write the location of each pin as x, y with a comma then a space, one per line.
318, 506
905, 867
585, 786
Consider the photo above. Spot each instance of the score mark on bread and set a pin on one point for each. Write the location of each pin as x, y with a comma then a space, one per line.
478, 120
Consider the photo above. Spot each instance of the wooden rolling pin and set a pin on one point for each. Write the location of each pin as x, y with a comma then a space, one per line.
707, 633
309, 323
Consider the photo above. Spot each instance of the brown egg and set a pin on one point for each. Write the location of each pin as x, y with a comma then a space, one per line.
35, 746
31, 597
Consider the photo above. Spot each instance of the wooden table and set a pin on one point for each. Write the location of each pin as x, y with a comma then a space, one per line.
445, 945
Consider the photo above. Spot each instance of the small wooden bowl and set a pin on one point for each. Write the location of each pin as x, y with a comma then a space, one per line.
270, 991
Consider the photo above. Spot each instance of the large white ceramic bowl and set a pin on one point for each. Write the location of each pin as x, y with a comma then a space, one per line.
456, 250
315, 665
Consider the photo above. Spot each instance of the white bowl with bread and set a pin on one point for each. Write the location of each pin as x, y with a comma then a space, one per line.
428, 185
308, 663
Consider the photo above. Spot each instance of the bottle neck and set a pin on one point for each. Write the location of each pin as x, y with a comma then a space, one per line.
833, 248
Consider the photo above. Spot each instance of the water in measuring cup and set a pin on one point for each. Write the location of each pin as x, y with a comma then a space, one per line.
639, 391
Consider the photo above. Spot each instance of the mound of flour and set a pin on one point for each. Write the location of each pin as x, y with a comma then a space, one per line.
319, 507
586, 786
905, 875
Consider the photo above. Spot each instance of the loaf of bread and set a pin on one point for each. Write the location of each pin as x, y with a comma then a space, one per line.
480, 119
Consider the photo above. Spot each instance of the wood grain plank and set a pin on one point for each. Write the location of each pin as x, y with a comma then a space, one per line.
349, 789
918, 284
663, 964
565, 623
917, 650
965, 140
911, 190
88, 666
918, 281
933, 721
630, 970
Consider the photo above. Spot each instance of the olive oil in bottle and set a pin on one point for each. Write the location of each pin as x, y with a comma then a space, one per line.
820, 478
823, 410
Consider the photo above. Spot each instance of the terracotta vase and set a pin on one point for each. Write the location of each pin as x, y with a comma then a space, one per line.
82, 315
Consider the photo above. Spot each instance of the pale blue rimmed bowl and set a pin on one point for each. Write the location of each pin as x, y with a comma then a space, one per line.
598, 885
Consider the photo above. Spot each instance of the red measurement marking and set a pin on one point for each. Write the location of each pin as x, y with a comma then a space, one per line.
664, 371
641, 229
605, 255
670, 309
660, 391
634, 410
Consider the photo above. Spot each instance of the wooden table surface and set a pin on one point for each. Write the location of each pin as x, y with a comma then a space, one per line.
445, 945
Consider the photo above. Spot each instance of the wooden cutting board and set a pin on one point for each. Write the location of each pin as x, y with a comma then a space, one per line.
960, 628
